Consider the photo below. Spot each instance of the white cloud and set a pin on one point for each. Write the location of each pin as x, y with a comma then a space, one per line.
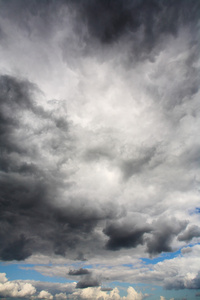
35, 290
15, 288
61, 296
133, 295
3, 278
97, 293
45, 295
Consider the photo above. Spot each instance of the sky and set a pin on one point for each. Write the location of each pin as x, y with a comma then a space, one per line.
100, 149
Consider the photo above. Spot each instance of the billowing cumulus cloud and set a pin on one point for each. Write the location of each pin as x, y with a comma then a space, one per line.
61, 296
45, 295
15, 289
25, 289
99, 148
114, 294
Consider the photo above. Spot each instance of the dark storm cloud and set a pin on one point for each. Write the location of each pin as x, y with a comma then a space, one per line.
156, 236
88, 281
78, 272
19, 246
162, 235
31, 221
124, 235
108, 21
143, 24
190, 233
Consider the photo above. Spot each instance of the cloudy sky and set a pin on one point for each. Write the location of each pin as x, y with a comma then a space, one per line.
100, 149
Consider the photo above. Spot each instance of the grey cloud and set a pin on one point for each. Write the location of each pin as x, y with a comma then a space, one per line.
141, 24
183, 283
88, 281
13, 97
31, 220
157, 237
177, 284
190, 233
109, 21
19, 248
97, 153
186, 250
106, 289
133, 166
50, 202
17, 99
183, 89
80, 256
78, 272
53, 287
2, 35
115, 19
24, 289
162, 235
33, 13
197, 294
122, 235
195, 282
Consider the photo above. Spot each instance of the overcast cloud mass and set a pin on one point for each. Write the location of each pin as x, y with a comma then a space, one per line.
99, 147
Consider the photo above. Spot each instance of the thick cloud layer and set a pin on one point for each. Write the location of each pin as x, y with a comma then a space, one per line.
30, 219
108, 20
38, 221
99, 126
